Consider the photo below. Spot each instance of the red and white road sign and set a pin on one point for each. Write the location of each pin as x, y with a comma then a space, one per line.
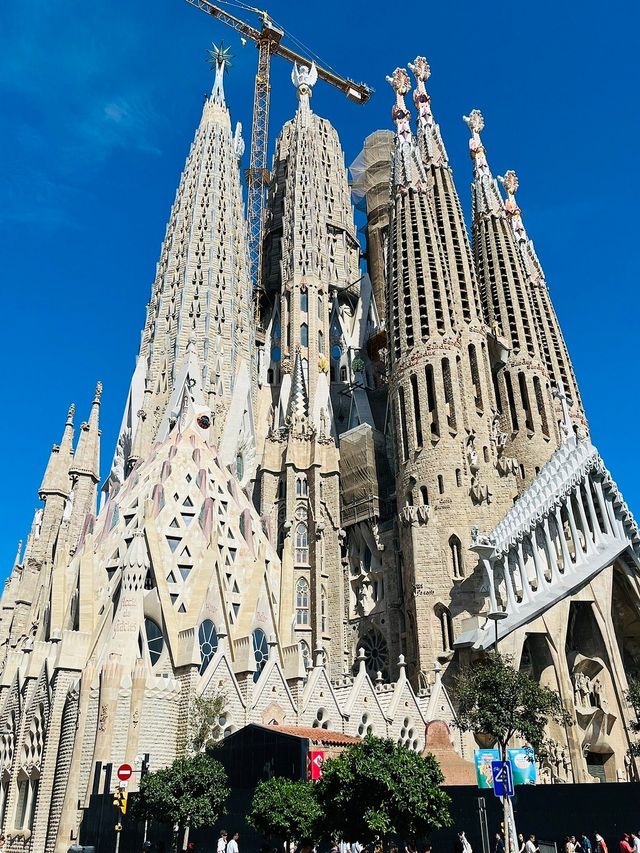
124, 772
314, 764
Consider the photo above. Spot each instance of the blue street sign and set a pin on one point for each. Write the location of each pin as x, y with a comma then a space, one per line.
502, 773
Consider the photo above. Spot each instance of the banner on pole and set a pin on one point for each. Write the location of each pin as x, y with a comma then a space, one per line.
522, 759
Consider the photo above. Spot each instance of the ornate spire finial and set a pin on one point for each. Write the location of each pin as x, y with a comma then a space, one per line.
304, 78
98, 392
474, 121
70, 414
510, 182
219, 58
420, 69
400, 83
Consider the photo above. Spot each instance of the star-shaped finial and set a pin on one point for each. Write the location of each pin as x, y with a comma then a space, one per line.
219, 55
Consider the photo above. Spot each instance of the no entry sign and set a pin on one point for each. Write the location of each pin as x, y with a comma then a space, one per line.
124, 772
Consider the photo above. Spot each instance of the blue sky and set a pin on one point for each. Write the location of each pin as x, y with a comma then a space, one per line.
99, 103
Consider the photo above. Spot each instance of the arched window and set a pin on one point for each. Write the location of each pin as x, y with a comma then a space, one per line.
239, 466
302, 602
424, 494
323, 609
302, 544
208, 639
320, 342
441, 484
458, 477
319, 306
155, 640
443, 614
306, 653
302, 487
304, 301
455, 552
343, 374
260, 651
304, 335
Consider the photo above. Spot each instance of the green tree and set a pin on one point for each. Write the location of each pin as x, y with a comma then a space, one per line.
286, 809
191, 792
497, 700
633, 698
204, 722
376, 789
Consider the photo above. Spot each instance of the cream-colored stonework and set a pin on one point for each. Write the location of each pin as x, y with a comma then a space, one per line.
316, 501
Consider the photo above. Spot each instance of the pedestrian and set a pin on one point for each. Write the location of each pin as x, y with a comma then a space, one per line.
625, 843
586, 845
601, 844
232, 846
222, 842
568, 846
334, 847
521, 843
576, 844
530, 845
460, 845
499, 848
635, 840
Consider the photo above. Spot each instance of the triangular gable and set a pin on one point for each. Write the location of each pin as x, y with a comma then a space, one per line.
272, 687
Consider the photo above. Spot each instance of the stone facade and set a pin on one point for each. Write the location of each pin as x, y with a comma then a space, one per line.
319, 497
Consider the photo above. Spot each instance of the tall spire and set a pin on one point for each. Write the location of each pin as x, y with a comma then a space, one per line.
219, 58
56, 477
408, 169
486, 195
87, 456
202, 286
428, 132
552, 343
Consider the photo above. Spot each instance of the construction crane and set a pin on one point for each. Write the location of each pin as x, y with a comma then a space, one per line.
268, 40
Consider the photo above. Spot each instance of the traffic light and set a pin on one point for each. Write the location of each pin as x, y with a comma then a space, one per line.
120, 799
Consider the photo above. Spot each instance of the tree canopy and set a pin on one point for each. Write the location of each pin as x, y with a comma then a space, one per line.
633, 698
190, 793
287, 809
377, 788
495, 699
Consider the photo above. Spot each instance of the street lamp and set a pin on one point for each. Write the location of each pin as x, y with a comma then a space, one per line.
497, 616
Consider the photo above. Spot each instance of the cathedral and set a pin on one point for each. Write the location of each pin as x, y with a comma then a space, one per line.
330, 491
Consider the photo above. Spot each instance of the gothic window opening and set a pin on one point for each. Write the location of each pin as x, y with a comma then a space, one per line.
304, 301
302, 486
485, 453
537, 388
376, 654
155, 640
458, 477
402, 415
302, 544
512, 402
448, 394
475, 378
443, 615
260, 651
417, 421
524, 396
208, 639
441, 484
239, 466
319, 307
320, 342
302, 602
323, 609
343, 374
455, 553
424, 495
27, 796
431, 400
304, 335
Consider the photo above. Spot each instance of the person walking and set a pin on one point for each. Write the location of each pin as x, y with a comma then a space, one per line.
601, 844
586, 845
569, 845
635, 841
499, 848
222, 842
530, 845
625, 843
232, 845
521, 843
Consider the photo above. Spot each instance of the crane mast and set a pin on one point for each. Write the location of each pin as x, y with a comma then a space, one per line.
268, 41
